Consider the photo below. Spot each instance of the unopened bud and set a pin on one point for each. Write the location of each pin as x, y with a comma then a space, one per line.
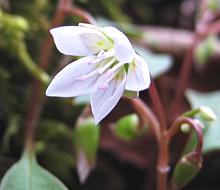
86, 138
185, 128
207, 114
127, 128
186, 169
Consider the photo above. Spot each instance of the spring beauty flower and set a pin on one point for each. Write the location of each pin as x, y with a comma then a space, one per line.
108, 66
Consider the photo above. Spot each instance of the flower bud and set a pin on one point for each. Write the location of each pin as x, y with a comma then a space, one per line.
127, 128
207, 114
86, 138
185, 128
186, 169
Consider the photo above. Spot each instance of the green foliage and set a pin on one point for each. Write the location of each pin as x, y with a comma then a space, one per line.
12, 30
26, 174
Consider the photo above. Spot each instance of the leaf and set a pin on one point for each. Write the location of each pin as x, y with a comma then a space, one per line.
211, 132
86, 138
158, 63
26, 174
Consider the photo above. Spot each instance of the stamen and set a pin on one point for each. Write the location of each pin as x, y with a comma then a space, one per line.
109, 53
106, 66
83, 77
100, 54
98, 59
116, 67
110, 76
103, 55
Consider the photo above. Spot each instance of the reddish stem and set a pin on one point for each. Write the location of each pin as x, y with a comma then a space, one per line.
37, 97
194, 125
204, 27
184, 76
162, 162
145, 114
157, 105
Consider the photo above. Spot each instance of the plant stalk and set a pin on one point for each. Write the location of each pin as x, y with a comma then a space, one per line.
163, 150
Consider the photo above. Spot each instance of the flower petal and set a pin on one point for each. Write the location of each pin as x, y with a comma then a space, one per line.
138, 76
103, 100
79, 41
123, 49
69, 81
90, 26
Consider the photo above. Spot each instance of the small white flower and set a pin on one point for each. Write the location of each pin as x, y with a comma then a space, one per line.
108, 66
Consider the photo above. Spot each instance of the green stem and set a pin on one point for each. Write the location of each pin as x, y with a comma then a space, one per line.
191, 113
30, 66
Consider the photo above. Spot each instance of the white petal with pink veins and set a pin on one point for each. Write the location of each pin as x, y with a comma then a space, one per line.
105, 98
75, 79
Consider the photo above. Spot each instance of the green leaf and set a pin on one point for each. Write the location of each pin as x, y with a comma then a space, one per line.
127, 128
212, 130
158, 63
26, 174
86, 138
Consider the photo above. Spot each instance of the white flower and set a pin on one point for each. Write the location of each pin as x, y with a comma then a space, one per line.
108, 66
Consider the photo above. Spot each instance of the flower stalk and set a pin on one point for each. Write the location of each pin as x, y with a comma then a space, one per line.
163, 143
194, 124
146, 115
